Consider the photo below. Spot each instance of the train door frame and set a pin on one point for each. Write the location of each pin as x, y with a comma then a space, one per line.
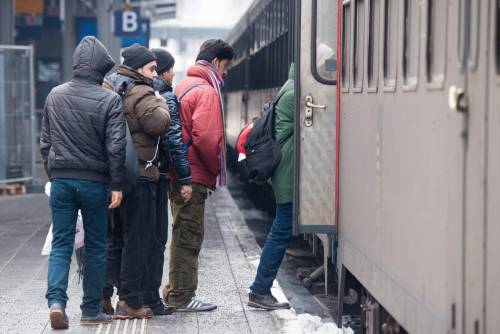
492, 287
476, 54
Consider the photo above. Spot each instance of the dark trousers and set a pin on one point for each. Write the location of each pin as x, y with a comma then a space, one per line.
138, 218
66, 198
115, 247
274, 249
187, 238
154, 271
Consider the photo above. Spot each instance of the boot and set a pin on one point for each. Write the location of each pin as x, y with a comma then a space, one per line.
123, 311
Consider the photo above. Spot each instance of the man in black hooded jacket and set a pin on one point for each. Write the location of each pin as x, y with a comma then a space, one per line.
83, 148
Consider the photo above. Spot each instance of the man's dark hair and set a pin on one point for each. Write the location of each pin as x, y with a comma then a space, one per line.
215, 48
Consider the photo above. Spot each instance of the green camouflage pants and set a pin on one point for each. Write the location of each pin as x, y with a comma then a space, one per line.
187, 237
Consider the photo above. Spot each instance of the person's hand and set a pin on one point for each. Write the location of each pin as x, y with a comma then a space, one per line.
159, 97
186, 192
116, 199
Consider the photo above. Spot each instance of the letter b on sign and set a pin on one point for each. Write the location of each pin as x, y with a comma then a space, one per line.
128, 23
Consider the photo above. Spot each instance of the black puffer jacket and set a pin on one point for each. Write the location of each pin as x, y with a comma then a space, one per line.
83, 129
173, 154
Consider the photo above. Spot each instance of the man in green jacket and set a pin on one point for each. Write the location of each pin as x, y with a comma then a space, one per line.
281, 232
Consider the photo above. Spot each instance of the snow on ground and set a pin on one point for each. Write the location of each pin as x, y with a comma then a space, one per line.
302, 323
309, 324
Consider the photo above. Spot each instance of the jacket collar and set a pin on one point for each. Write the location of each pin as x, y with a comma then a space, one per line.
161, 85
134, 75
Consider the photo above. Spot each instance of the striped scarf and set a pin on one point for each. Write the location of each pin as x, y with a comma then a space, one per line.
217, 83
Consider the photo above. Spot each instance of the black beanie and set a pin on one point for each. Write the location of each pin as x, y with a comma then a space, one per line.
136, 56
165, 60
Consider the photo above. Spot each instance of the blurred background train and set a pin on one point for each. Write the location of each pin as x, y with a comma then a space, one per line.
397, 169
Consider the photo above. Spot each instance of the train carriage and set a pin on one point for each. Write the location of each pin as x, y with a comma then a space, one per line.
397, 149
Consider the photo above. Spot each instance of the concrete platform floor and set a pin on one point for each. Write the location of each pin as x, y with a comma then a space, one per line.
227, 267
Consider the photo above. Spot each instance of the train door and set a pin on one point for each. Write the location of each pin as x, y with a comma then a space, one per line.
315, 164
492, 307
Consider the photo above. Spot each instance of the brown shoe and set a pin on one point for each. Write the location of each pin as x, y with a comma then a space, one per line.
123, 311
58, 317
106, 306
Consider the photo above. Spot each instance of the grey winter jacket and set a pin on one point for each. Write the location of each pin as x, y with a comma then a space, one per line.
172, 147
83, 128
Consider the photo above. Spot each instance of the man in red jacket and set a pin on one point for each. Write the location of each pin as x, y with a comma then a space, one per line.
202, 118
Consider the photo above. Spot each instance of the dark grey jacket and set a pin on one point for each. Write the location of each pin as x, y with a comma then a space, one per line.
83, 129
173, 153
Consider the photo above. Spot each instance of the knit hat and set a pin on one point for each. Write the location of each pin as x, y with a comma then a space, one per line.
136, 56
165, 60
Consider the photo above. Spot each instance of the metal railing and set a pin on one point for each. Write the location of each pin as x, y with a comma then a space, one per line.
17, 116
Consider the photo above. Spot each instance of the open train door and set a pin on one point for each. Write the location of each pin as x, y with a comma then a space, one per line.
316, 119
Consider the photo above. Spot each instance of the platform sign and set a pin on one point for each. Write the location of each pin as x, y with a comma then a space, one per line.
142, 39
128, 23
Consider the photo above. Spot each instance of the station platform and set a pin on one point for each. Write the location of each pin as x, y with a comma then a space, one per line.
227, 267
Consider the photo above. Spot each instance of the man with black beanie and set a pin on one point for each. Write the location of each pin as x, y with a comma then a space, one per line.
172, 159
148, 119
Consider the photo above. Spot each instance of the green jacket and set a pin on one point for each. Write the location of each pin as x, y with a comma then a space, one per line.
282, 178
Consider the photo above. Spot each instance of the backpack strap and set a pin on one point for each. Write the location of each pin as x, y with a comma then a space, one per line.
121, 91
190, 88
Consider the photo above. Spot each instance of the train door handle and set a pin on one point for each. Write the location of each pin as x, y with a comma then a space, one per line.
457, 99
309, 110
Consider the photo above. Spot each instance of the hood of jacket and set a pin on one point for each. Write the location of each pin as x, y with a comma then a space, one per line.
137, 77
161, 85
291, 72
91, 60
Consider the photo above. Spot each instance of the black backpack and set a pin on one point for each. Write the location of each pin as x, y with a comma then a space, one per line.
263, 153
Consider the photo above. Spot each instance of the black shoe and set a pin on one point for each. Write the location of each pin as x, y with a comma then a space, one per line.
161, 309
267, 301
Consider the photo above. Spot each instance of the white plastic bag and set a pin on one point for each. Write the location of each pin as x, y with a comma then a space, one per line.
79, 236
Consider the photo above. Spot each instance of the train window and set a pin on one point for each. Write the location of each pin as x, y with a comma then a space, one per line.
359, 42
346, 43
410, 43
373, 44
436, 42
497, 58
390, 43
324, 41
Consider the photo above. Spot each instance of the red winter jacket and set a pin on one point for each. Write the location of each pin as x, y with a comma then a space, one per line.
202, 125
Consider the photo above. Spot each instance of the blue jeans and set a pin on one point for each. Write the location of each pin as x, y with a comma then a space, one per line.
66, 198
274, 249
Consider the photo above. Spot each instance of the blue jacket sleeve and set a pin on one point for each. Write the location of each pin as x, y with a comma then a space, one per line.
178, 158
